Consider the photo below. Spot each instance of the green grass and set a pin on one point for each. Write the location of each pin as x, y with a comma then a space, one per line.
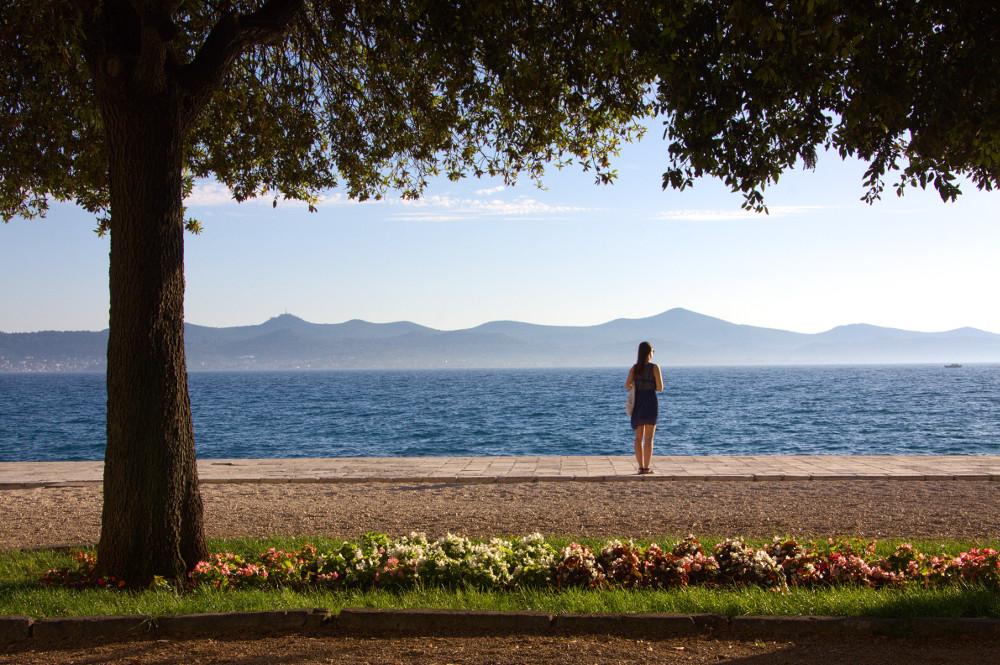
22, 594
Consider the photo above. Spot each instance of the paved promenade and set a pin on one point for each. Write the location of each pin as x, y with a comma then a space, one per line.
25, 475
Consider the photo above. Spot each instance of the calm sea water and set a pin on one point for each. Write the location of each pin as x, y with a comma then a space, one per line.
915, 410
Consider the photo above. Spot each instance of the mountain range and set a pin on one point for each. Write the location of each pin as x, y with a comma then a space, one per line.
680, 337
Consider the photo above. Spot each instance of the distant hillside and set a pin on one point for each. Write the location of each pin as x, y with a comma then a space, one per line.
681, 337
53, 351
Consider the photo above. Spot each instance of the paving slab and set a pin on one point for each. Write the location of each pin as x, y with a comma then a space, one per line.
798, 468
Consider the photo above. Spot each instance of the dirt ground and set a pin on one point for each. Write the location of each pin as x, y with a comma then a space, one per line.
870, 509
517, 650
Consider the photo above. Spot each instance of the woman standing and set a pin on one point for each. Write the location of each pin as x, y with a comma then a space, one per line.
646, 379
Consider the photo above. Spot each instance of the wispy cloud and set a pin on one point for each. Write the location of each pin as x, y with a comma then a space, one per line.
210, 193
430, 217
440, 208
426, 208
710, 215
491, 190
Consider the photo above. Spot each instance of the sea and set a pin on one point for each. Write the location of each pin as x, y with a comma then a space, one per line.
844, 410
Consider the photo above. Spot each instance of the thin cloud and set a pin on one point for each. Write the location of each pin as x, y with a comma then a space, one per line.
427, 208
491, 190
448, 208
429, 217
710, 215
210, 193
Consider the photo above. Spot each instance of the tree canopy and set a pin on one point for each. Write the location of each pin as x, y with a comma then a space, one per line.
346, 93
751, 88
291, 97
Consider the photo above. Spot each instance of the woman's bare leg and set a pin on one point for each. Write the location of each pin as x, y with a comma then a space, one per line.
638, 446
647, 444
644, 445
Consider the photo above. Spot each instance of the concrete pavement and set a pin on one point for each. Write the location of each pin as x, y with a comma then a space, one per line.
24, 475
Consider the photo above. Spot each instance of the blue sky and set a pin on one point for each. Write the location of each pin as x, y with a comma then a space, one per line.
573, 254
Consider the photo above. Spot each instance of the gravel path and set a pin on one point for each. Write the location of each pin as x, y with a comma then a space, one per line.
865, 508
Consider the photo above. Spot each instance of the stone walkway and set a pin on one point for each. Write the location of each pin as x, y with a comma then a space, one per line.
24, 475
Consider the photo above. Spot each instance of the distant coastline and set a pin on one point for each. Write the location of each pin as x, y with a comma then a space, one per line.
681, 337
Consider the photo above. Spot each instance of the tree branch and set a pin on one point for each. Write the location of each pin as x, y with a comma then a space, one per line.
230, 37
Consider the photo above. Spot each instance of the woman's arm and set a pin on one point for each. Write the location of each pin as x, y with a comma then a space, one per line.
659, 378
628, 381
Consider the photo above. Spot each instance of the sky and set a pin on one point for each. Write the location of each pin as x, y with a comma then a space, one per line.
574, 253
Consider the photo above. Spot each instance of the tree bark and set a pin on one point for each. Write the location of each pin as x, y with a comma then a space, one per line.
152, 517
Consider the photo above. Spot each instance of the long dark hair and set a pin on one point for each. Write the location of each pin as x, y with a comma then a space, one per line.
645, 348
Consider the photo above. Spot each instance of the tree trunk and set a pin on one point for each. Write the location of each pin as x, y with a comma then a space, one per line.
152, 518
149, 100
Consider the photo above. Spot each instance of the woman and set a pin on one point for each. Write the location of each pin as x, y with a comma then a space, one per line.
646, 379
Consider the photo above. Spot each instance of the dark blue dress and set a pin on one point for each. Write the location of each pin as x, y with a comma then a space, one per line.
647, 407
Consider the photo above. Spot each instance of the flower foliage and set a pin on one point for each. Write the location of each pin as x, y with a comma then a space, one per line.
377, 560
454, 561
83, 574
741, 564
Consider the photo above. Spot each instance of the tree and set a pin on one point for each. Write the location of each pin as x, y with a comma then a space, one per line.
750, 88
118, 105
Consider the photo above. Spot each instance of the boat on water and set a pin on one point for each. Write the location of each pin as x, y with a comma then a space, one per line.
953, 365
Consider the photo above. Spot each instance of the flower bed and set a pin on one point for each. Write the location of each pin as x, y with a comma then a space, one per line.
379, 561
